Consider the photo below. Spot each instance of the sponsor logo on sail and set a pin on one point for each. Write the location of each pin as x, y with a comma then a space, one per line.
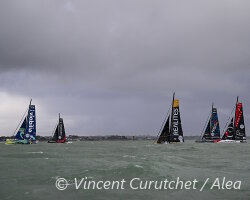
175, 121
238, 114
176, 103
180, 138
31, 122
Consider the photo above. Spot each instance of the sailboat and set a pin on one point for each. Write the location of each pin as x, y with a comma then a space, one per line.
26, 133
59, 135
172, 130
235, 132
212, 131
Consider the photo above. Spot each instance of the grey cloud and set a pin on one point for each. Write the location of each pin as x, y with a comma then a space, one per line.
114, 64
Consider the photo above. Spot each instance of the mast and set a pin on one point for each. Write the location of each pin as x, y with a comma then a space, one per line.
26, 126
59, 128
28, 112
237, 99
234, 131
171, 122
58, 124
239, 124
211, 119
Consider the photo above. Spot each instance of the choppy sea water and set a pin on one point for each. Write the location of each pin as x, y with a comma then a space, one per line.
30, 171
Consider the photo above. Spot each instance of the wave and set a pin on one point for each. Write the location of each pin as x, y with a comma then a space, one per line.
39, 152
128, 156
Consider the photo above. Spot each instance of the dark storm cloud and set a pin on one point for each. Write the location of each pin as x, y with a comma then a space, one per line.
111, 66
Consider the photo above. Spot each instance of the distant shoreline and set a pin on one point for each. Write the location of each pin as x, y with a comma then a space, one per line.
100, 138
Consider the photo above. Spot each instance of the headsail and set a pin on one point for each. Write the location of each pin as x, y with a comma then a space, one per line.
207, 133
55, 136
22, 130
229, 133
164, 136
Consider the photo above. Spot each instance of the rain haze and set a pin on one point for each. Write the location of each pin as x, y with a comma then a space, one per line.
111, 67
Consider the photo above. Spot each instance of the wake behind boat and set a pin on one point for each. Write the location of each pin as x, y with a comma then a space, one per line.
172, 133
235, 132
59, 135
212, 131
26, 133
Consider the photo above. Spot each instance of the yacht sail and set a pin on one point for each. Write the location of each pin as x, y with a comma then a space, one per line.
164, 136
59, 135
176, 133
215, 127
26, 133
22, 130
235, 131
229, 133
31, 124
212, 131
239, 125
173, 133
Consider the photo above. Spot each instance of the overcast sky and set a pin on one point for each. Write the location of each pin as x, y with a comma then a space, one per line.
110, 67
